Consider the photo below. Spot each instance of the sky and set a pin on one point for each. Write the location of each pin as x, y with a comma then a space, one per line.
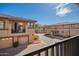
44, 13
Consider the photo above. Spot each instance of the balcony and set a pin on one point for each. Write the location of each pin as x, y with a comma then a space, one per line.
66, 47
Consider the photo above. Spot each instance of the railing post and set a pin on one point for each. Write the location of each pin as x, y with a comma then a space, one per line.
74, 46
57, 50
61, 50
70, 43
78, 46
52, 51
38, 54
71, 46
67, 48
46, 52
64, 48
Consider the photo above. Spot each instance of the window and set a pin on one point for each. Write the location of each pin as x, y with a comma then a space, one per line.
18, 28
1, 24
31, 25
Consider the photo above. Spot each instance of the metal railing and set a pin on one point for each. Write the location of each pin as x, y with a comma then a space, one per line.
18, 31
68, 47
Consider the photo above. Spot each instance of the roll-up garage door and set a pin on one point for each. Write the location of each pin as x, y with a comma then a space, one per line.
5, 42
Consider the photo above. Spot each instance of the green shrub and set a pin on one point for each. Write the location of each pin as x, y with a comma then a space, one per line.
15, 44
35, 37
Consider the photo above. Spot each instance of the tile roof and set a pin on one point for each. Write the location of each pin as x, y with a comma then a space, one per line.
63, 23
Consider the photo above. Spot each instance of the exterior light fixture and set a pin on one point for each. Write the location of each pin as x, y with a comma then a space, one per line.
10, 38
2, 39
7, 38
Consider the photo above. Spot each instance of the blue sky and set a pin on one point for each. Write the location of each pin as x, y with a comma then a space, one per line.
44, 13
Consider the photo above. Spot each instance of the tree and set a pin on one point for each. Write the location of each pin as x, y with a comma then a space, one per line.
38, 26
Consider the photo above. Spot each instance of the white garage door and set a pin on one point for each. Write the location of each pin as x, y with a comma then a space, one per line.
23, 40
5, 43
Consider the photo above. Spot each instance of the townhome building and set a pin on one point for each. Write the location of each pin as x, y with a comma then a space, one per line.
15, 29
65, 29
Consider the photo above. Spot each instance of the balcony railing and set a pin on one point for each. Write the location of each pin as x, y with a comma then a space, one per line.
18, 31
66, 47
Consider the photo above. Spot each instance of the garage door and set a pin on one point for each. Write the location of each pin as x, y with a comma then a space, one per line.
5, 43
23, 40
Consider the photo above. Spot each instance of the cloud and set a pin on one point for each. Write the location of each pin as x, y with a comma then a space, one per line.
62, 10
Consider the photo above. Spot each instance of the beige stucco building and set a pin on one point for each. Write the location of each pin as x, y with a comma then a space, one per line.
62, 29
13, 29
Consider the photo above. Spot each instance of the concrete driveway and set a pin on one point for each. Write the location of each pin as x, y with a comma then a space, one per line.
47, 40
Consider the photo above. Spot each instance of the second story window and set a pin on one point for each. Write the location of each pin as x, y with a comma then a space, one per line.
1, 24
18, 28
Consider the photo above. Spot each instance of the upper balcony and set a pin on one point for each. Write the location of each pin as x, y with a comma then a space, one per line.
22, 27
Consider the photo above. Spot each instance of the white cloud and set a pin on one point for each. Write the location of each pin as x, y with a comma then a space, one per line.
62, 10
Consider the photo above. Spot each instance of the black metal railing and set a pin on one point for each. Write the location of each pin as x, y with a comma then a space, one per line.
18, 31
68, 47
